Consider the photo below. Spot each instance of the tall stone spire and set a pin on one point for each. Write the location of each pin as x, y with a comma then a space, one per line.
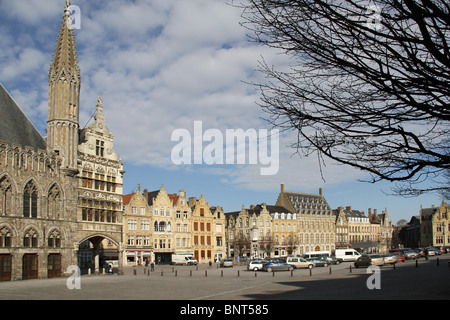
64, 96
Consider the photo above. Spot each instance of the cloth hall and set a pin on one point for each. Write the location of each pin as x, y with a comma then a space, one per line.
60, 195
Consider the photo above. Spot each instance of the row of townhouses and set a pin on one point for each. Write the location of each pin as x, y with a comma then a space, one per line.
62, 202
158, 224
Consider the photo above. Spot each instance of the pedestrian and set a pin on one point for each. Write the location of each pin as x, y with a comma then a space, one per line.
110, 270
426, 253
152, 266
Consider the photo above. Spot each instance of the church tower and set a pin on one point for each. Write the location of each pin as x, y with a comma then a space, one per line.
64, 97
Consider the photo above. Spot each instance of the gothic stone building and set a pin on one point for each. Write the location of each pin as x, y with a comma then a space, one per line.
42, 228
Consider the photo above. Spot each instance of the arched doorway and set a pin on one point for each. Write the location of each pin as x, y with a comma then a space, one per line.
95, 253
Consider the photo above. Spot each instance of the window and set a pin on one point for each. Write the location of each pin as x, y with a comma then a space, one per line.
145, 225
53, 202
133, 210
5, 196
30, 240
5, 238
30, 201
100, 147
132, 224
54, 240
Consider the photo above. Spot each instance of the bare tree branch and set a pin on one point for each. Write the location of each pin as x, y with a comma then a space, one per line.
370, 84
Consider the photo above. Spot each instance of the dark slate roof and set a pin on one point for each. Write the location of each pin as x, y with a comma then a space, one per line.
257, 210
15, 127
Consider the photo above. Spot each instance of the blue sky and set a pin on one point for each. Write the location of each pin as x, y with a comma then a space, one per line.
159, 66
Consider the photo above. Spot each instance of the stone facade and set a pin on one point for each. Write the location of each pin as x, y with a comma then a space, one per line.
316, 222
51, 199
38, 201
435, 226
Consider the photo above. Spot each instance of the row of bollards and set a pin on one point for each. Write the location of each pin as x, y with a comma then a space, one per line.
175, 271
256, 273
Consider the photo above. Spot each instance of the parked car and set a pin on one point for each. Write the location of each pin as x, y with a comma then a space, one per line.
389, 258
256, 265
410, 254
226, 263
369, 259
300, 262
430, 252
420, 252
278, 266
333, 260
399, 256
318, 262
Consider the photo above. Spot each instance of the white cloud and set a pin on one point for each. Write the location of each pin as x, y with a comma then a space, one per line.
159, 66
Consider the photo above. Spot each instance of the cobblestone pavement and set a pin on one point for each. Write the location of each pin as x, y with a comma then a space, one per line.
426, 280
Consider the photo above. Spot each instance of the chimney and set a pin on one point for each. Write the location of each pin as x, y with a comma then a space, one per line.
146, 194
321, 192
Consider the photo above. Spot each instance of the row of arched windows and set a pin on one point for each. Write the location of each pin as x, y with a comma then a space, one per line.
30, 238
30, 203
162, 226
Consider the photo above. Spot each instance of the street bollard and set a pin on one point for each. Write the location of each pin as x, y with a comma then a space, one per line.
255, 274
176, 273
437, 262
310, 272
238, 274
393, 266
162, 273
330, 270
221, 273
190, 273
206, 273
273, 273
417, 263
350, 268
134, 272
292, 273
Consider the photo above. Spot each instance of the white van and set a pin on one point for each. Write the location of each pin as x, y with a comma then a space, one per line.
316, 254
347, 254
186, 259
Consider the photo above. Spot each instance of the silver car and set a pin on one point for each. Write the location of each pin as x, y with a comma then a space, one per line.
256, 265
389, 258
227, 263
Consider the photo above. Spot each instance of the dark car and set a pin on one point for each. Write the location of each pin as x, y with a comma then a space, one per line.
278, 266
333, 260
368, 260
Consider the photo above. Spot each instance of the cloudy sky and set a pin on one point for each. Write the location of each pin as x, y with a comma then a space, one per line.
160, 66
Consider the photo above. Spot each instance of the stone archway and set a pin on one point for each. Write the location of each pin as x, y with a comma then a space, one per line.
95, 250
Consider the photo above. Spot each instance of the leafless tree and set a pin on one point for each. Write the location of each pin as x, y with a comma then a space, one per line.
368, 85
